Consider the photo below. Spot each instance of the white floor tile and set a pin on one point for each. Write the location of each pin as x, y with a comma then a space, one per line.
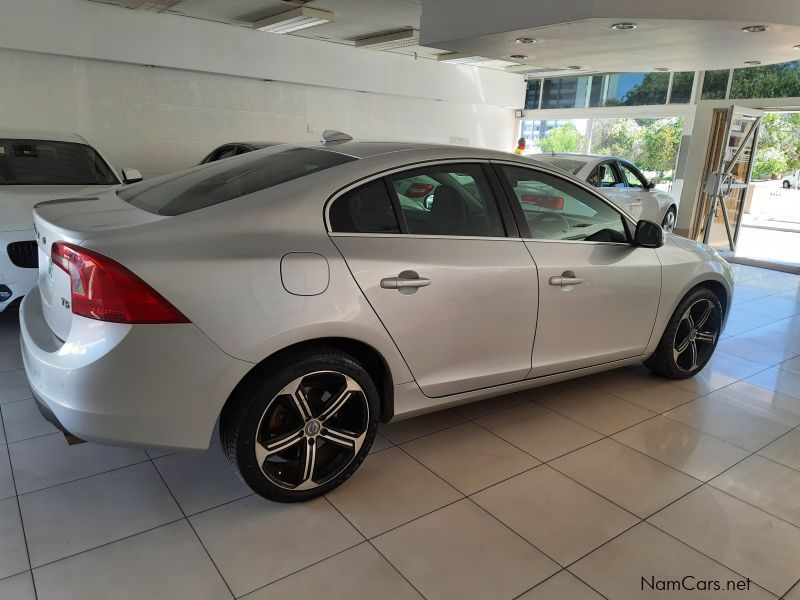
201, 481
254, 542
18, 587
69, 518
14, 386
48, 460
23, 420
167, 562
13, 555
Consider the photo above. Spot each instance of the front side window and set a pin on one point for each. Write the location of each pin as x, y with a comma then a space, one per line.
555, 209
448, 200
217, 182
606, 176
366, 209
633, 178
42, 162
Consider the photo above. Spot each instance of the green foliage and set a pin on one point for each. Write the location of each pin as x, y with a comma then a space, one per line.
562, 139
769, 163
778, 146
651, 144
768, 81
661, 140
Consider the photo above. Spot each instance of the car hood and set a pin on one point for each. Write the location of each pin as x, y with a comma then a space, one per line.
17, 201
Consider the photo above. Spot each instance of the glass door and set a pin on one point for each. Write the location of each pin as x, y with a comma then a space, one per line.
729, 165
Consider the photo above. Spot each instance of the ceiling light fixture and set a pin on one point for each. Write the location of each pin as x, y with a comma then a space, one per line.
623, 26
457, 58
754, 28
519, 57
797, 47
573, 68
525, 40
390, 41
752, 63
294, 20
661, 69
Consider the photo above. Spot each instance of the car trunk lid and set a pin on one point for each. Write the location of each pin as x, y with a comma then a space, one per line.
74, 220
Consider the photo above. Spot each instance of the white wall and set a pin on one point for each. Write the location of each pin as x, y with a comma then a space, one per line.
162, 119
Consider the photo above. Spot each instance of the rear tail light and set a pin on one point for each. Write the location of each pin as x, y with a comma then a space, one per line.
104, 290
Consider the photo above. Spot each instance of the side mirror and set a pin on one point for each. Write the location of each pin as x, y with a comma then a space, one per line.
648, 234
653, 183
131, 176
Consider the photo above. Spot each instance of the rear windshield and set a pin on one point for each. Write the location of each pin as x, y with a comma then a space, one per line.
42, 162
217, 182
570, 165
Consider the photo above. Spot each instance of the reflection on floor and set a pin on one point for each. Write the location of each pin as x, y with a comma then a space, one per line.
613, 484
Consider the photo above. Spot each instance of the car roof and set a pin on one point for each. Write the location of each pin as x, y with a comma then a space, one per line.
369, 149
41, 135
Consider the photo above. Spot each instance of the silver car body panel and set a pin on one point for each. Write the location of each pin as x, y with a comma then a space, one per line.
468, 335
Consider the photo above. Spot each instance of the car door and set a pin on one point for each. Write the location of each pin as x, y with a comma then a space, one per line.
598, 293
453, 284
636, 188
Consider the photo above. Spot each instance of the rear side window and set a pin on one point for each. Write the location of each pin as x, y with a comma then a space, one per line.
366, 209
42, 162
218, 182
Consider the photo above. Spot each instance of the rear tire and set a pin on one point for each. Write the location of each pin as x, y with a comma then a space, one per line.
786, 185
690, 338
303, 426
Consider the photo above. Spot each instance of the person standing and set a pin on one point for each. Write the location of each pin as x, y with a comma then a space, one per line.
520, 146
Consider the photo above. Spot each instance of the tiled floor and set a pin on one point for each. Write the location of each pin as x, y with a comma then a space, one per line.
577, 490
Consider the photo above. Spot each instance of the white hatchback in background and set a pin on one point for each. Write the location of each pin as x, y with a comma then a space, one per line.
36, 167
621, 182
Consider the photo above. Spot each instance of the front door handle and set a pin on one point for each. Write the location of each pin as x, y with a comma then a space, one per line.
407, 280
567, 278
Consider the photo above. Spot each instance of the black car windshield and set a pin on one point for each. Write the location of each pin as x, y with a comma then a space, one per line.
570, 165
221, 181
43, 162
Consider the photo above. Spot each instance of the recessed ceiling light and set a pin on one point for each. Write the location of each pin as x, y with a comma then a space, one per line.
661, 69
754, 28
623, 26
573, 68
525, 40
797, 47
294, 20
519, 57
752, 63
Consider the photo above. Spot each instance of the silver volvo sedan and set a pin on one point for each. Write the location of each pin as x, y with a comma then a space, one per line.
301, 294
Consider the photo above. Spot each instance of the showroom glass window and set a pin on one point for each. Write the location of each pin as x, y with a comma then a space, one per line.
366, 209
448, 199
557, 210
682, 84
532, 93
636, 89
40, 162
767, 81
217, 182
715, 84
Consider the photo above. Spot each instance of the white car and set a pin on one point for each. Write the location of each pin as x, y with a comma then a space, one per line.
790, 181
622, 182
36, 167
303, 293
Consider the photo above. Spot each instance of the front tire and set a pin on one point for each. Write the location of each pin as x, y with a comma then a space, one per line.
690, 337
786, 185
303, 426
670, 219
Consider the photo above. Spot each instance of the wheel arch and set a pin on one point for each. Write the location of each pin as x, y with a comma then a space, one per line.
372, 360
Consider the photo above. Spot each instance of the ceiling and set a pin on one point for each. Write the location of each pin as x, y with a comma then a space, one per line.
677, 35
354, 18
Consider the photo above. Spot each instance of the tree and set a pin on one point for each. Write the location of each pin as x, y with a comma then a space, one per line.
778, 145
769, 163
617, 137
660, 142
768, 81
565, 138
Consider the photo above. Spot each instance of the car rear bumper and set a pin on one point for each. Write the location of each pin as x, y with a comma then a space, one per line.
159, 386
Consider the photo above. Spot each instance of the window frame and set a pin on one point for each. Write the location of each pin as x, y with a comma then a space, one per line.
628, 223
616, 170
500, 198
635, 170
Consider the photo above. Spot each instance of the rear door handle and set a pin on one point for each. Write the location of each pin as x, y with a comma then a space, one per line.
567, 278
407, 280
